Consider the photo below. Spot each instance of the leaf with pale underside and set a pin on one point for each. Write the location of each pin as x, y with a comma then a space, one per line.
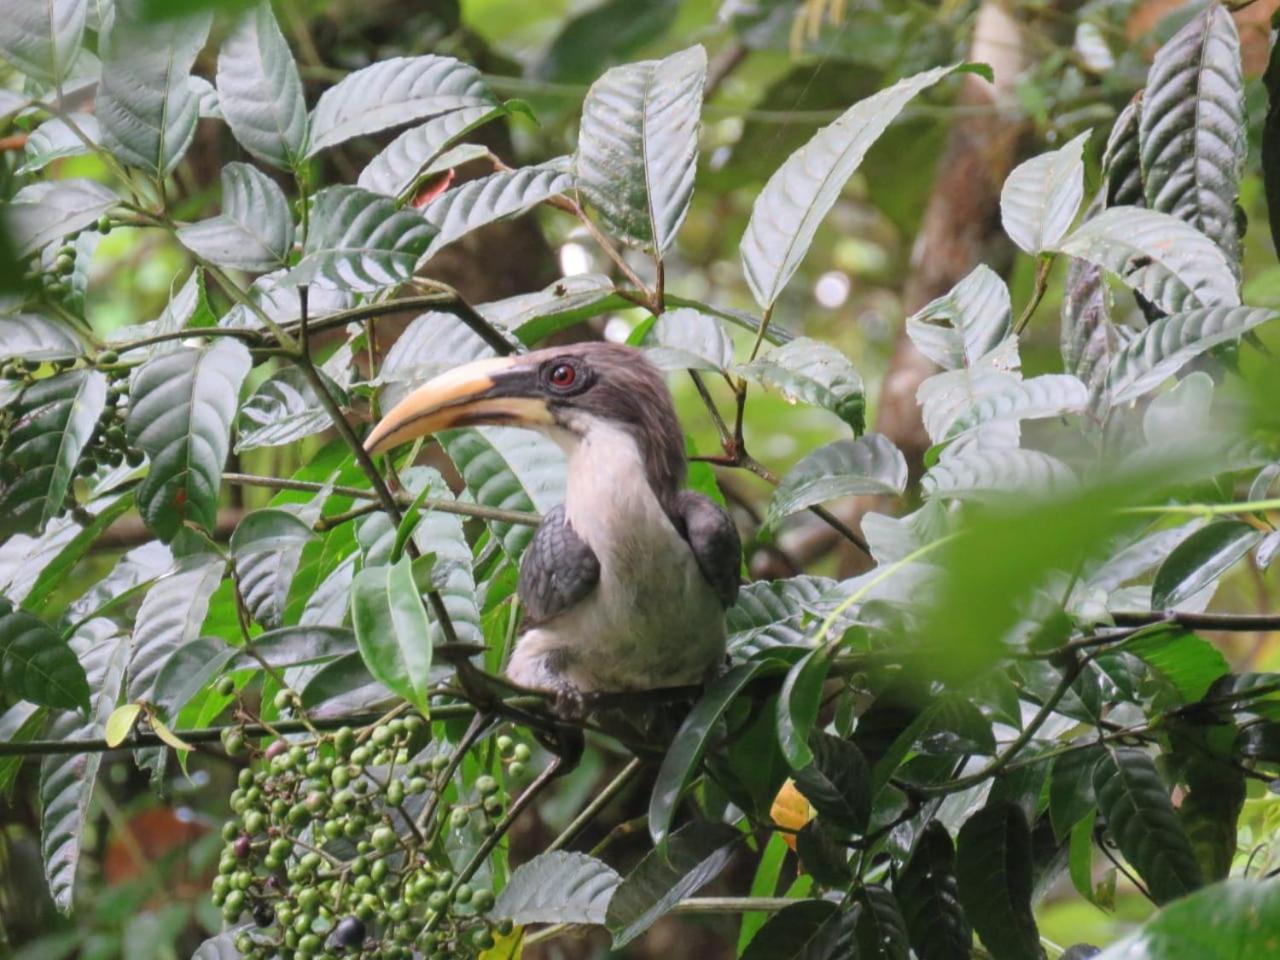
410, 156
254, 232
870, 465
1170, 263
1041, 196
813, 372
260, 92
638, 146
44, 212
54, 139
688, 339
391, 93
558, 887
965, 324
33, 337
42, 37
171, 616
1121, 167
984, 474
475, 203
1049, 395
284, 409
798, 196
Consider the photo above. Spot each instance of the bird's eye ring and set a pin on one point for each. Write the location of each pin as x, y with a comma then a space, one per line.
563, 375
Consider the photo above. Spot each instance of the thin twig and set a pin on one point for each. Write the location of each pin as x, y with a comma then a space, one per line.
598, 803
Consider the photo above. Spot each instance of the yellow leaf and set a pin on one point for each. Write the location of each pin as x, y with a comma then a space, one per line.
120, 723
168, 736
791, 810
508, 946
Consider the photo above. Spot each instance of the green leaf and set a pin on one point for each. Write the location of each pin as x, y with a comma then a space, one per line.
41, 38
33, 337
691, 858
44, 212
410, 156
54, 420
1170, 263
1049, 395
837, 782
926, 890
638, 146
1210, 808
146, 105
1163, 348
37, 665
604, 34
284, 409
222, 946
260, 91
1191, 128
813, 372
688, 339
798, 703
21, 723
254, 232
993, 869
1143, 824
120, 723
170, 617
870, 465
510, 469
881, 930
804, 930
296, 646
689, 745
1189, 662
67, 780
763, 884
360, 242
1199, 560
1231, 920
987, 474
773, 613
1121, 167
558, 887
966, 323
391, 93
824, 854
392, 630
1040, 198
786, 214
1071, 788
269, 529
54, 140
180, 414
508, 193
187, 671
189, 307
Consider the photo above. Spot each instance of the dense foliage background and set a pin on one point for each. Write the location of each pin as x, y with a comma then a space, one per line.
967, 314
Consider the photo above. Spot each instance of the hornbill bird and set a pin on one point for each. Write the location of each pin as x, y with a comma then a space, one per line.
625, 585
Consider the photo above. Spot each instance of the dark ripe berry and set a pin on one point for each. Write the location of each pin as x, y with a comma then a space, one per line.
87, 467
349, 932
242, 847
226, 686
134, 457
262, 915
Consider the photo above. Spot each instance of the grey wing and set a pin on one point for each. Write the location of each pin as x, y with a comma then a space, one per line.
557, 571
714, 540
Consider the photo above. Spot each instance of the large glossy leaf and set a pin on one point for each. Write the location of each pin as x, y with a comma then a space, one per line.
1199, 560
1210, 808
804, 930
146, 104
692, 857
391, 93
638, 146
284, 409
979, 474
254, 232
869, 465
54, 139
814, 372
681, 761
799, 700
170, 617
391, 630
993, 869
44, 212
1143, 824
403, 161
927, 892
1171, 264
180, 415
267, 546
558, 887
67, 781
1163, 348
507, 193
837, 782
42, 37
1071, 788
1231, 920
1089, 338
296, 646
1189, 662
772, 613
1121, 167
688, 339
1049, 395
260, 91
966, 323
54, 419
186, 671
33, 337
1040, 197
881, 930
511, 469
37, 665
1190, 131
277, 297
360, 241
787, 212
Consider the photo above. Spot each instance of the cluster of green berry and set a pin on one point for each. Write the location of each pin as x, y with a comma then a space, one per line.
109, 446
54, 280
337, 847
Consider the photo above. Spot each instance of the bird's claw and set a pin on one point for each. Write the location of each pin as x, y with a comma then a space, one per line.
568, 703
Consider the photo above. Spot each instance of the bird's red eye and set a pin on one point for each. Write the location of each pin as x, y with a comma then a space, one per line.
563, 375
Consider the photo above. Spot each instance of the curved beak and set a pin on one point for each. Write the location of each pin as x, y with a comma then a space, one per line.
498, 391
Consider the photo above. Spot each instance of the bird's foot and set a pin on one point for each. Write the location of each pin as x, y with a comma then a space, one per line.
568, 702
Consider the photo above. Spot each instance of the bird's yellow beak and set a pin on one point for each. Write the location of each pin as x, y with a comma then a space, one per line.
498, 391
